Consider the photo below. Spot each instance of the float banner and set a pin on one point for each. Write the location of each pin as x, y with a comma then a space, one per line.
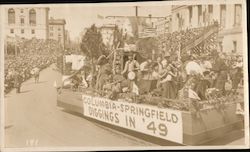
146, 119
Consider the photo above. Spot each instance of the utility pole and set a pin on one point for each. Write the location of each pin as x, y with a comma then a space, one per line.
137, 22
136, 11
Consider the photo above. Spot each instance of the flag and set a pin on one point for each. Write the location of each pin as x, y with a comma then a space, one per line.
135, 89
193, 95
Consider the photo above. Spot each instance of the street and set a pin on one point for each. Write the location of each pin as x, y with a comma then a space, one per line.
33, 119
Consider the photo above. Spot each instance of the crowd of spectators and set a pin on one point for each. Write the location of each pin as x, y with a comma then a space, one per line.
172, 41
33, 53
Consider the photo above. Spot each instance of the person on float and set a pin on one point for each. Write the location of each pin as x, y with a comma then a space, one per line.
221, 70
131, 65
202, 85
160, 66
102, 67
177, 66
236, 76
130, 69
146, 76
157, 69
167, 82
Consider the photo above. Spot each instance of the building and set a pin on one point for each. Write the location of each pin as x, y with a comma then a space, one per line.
107, 32
27, 22
163, 25
57, 30
123, 23
229, 17
67, 39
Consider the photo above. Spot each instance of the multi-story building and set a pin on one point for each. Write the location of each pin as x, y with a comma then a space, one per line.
163, 25
57, 30
67, 39
229, 17
123, 22
27, 22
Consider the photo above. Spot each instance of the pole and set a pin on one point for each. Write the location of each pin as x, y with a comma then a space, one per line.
137, 24
136, 11
15, 48
179, 52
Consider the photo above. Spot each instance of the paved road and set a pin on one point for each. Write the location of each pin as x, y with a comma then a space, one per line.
33, 119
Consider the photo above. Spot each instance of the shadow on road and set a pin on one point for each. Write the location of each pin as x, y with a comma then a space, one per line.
30, 83
41, 82
8, 126
25, 91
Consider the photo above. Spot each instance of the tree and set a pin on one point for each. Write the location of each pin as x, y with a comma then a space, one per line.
92, 44
118, 41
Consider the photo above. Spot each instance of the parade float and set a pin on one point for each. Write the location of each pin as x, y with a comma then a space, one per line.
183, 121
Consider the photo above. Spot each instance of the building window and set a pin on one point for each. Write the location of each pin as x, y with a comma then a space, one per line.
50, 34
59, 38
223, 15
210, 9
190, 9
237, 14
11, 16
199, 13
22, 21
32, 17
22, 31
11, 30
32, 31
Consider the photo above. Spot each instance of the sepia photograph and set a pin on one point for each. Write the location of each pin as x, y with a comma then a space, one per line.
124, 76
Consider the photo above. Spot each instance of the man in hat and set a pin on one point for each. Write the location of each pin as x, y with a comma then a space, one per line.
131, 65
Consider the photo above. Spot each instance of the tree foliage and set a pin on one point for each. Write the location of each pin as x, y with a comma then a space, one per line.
146, 46
118, 41
92, 44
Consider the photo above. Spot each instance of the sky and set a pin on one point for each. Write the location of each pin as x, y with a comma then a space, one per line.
79, 17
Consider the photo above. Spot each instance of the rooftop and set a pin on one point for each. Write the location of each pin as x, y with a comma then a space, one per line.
57, 21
